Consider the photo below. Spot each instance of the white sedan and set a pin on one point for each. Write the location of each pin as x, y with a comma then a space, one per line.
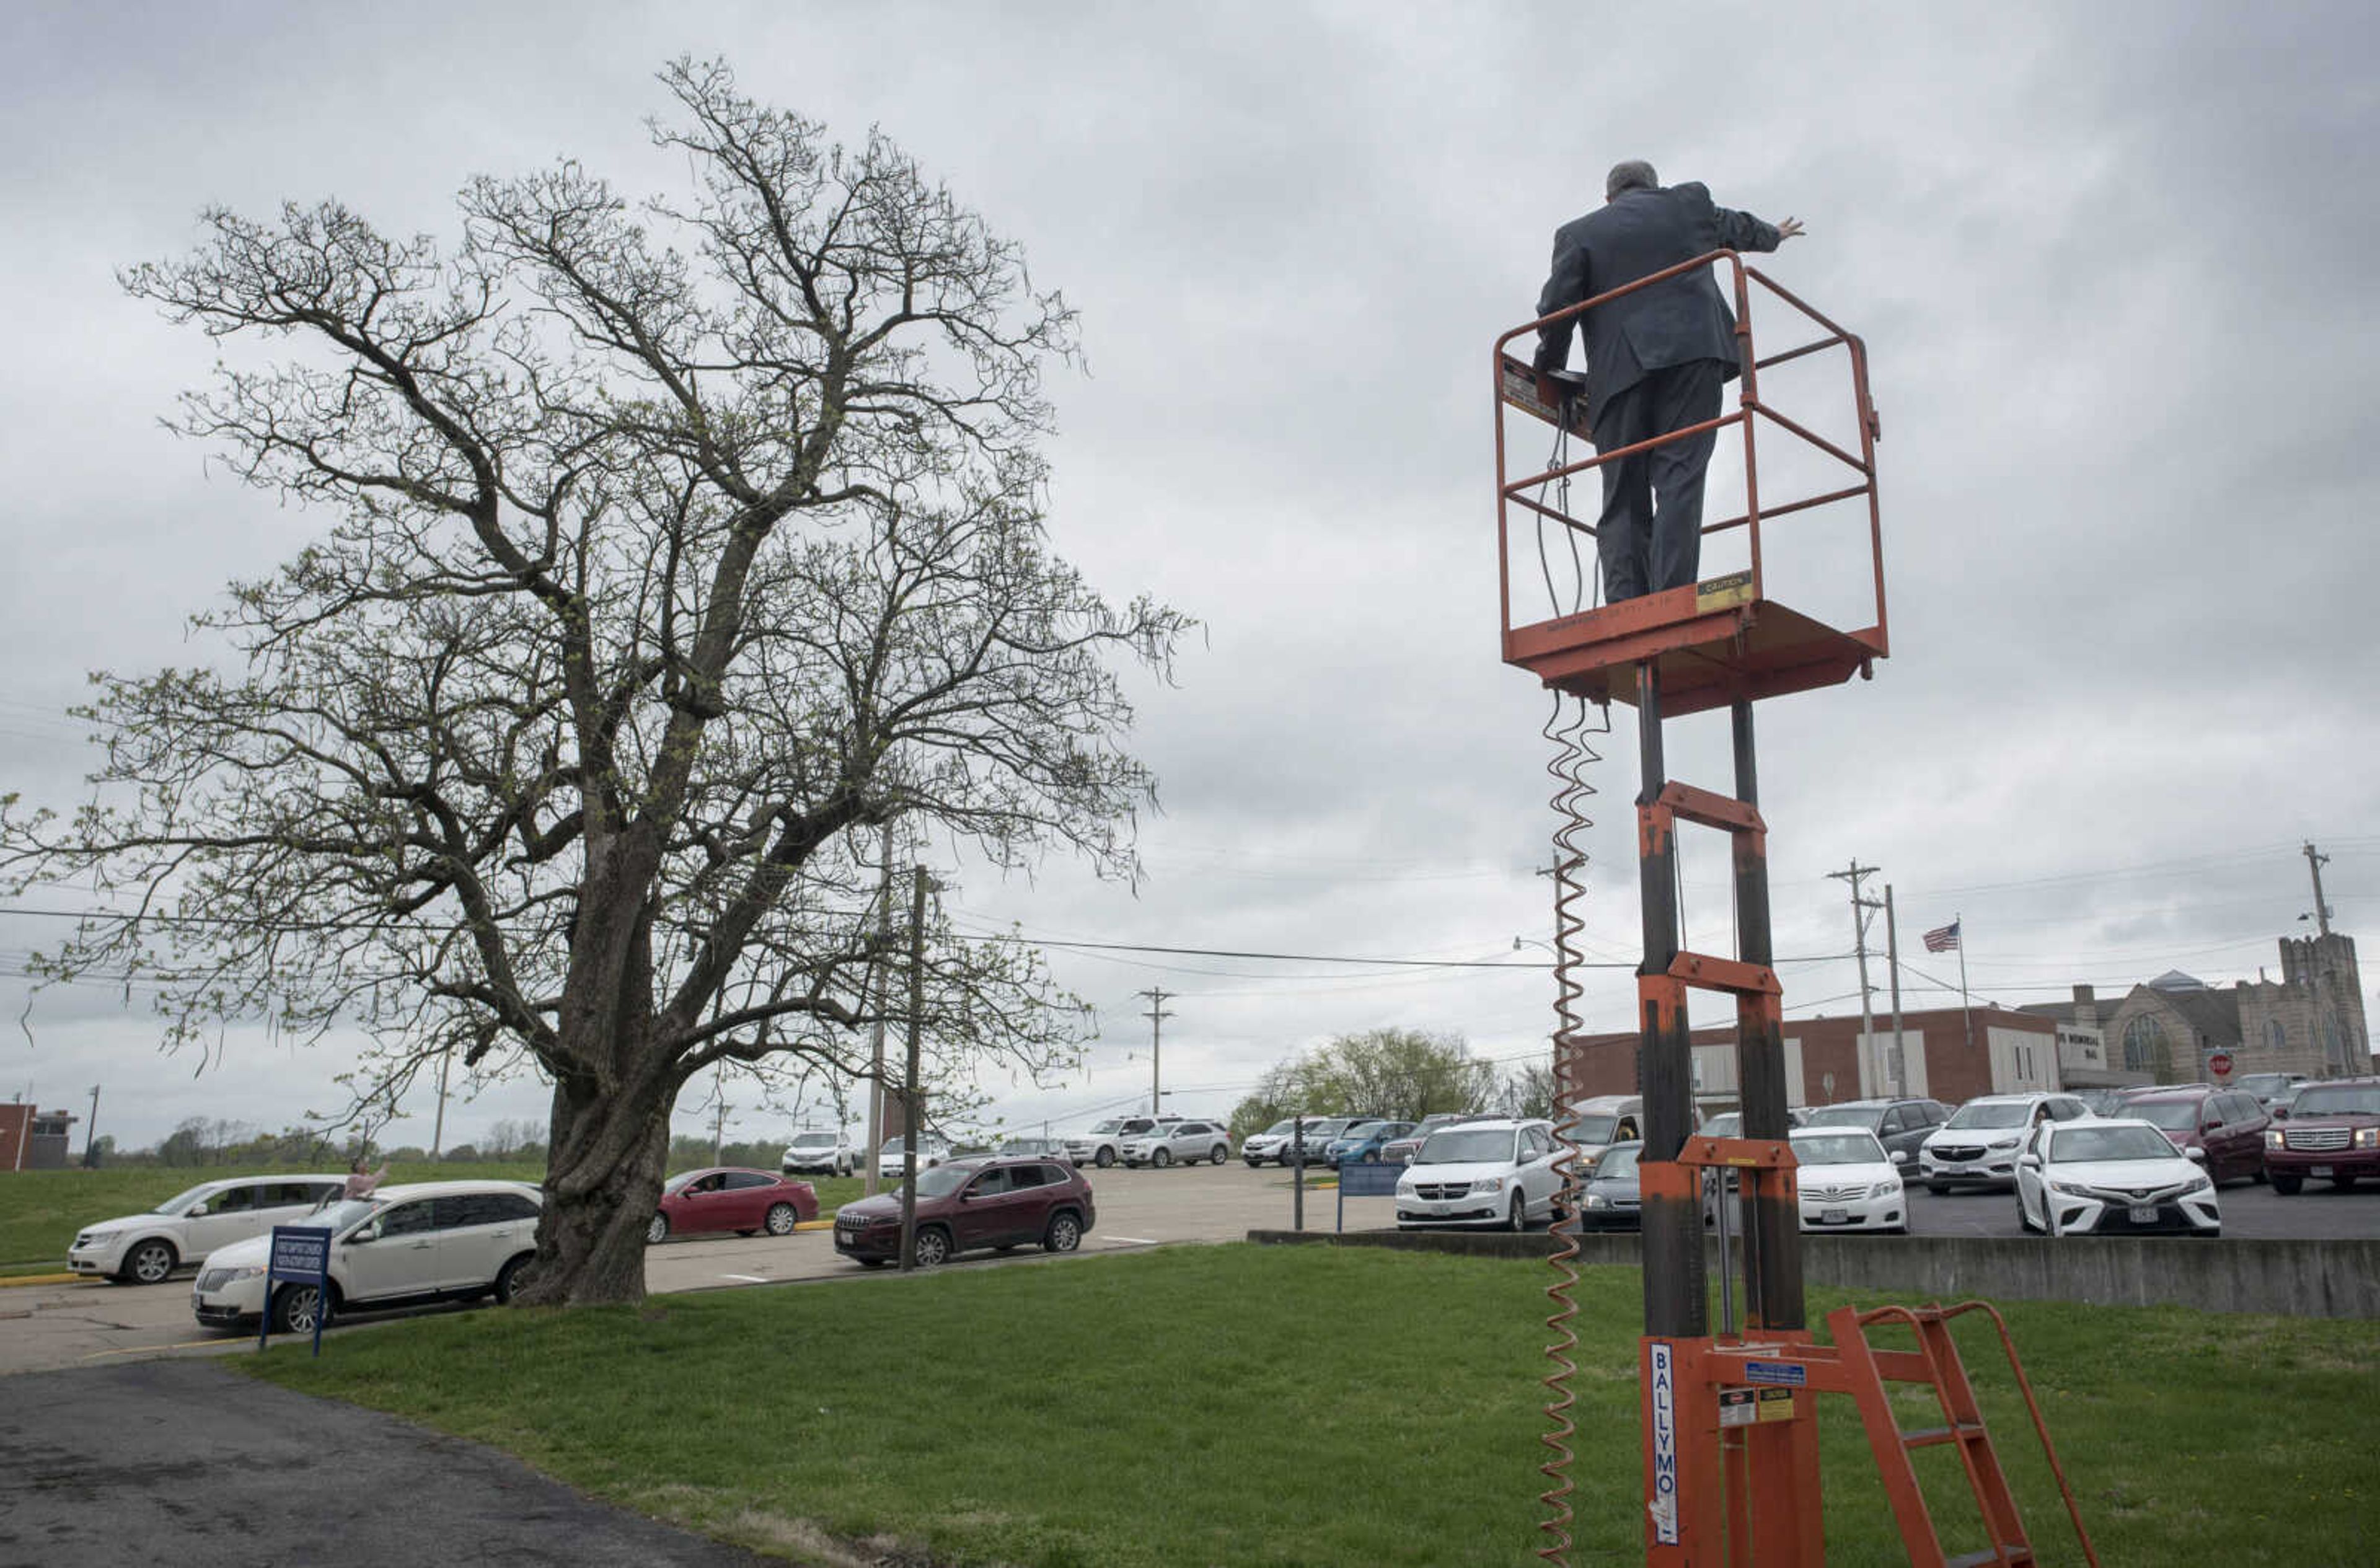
1481, 1174
1847, 1182
2111, 1177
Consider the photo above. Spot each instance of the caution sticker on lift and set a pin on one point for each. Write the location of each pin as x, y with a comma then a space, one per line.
1723, 593
1744, 1407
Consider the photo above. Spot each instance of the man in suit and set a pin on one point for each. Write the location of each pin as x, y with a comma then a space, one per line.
1656, 361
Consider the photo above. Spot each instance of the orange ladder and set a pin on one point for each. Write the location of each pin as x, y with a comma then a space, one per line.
1936, 1363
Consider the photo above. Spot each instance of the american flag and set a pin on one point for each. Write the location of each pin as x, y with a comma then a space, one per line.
1943, 939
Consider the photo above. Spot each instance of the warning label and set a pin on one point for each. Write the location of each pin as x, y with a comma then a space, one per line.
1744, 1407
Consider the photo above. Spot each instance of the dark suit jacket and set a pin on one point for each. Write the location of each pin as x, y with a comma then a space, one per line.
1670, 323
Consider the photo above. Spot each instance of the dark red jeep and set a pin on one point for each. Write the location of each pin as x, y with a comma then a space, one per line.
966, 1204
2333, 1133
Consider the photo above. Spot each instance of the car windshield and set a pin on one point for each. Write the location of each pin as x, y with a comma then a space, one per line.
341, 1213
814, 1141
1991, 1113
1110, 1124
2115, 1141
1853, 1116
1463, 1146
1839, 1149
896, 1145
942, 1180
182, 1200
679, 1180
1282, 1128
2173, 1115
1595, 1129
1363, 1129
1619, 1163
2341, 1099
1722, 1125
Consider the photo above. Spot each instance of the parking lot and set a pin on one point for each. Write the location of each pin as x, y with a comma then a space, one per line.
83, 1323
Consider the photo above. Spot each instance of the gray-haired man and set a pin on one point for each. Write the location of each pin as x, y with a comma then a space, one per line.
1656, 360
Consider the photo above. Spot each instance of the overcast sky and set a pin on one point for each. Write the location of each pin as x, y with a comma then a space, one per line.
2111, 262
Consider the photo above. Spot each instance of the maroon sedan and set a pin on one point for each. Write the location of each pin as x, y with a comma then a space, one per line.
732, 1198
966, 1204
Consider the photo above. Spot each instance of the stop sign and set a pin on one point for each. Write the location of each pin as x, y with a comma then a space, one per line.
2219, 1063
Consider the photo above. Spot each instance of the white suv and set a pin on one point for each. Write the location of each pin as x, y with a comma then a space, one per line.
892, 1159
1188, 1142
1977, 1148
428, 1241
1495, 1174
828, 1154
184, 1229
1103, 1145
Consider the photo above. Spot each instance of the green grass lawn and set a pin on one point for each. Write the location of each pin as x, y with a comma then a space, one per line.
1245, 1405
41, 1210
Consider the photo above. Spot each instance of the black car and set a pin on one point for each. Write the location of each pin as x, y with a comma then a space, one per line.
1901, 1125
1611, 1201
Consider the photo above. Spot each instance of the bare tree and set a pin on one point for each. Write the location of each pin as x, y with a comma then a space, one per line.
675, 543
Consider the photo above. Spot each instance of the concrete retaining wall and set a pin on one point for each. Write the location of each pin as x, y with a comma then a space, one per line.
2291, 1279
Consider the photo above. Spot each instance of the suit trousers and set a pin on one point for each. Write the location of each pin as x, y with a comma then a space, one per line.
1650, 535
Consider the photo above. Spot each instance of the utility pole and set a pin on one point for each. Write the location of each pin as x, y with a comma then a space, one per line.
437, 1127
91, 1134
2316, 971
913, 1117
1860, 909
2314, 863
718, 1115
1892, 961
1156, 1016
883, 994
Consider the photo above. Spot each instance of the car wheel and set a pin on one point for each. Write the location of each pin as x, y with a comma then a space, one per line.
151, 1263
1064, 1235
657, 1231
1371, 1157
1937, 1189
1107, 1158
2024, 1218
294, 1309
508, 1277
2288, 1186
869, 1262
1161, 1158
1518, 1219
747, 1233
1219, 1153
783, 1218
2343, 1184
932, 1247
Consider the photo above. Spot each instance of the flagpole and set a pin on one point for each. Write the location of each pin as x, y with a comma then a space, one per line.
1966, 1018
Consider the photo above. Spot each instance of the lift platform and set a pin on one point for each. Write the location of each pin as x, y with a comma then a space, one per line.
1720, 641
1729, 1416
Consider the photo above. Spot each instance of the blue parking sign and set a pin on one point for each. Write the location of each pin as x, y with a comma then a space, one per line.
301, 1255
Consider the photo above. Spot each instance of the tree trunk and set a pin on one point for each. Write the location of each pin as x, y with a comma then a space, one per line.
591, 1239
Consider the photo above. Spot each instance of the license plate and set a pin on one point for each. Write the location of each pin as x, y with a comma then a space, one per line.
2144, 1213
1834, 1217
2319, 1171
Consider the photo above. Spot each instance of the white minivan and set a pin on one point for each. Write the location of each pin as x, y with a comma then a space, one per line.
1495, 1174
146, 1248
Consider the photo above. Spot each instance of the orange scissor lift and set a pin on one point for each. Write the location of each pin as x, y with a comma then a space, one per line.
1731, 1437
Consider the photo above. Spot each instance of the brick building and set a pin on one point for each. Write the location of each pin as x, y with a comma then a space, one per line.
1945, 1055
33, 1140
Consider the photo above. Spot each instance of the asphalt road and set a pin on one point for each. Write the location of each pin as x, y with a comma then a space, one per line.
85, 1324
190, 1464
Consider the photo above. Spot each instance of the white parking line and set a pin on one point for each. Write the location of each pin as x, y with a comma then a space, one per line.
1133, 1241
747, 1278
